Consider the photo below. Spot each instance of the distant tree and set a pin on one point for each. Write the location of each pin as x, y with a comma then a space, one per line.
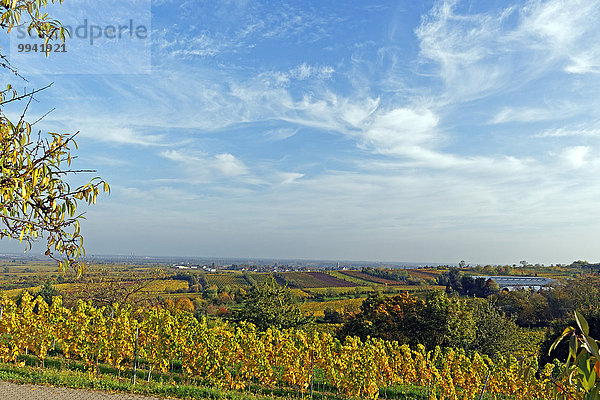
488, 270
185, 304
455, 279
495, 334
332, 316
198, 303
492, 286
211, 292
476, 287
47, 292
223, 298
271, 305
240, 293
397, 317
169, 304
439, 320
197, 288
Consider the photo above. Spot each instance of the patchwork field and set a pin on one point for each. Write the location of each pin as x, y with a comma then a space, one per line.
313, 280
349, 278
424, 273
370, 278
260, 277
225, 279
343, 306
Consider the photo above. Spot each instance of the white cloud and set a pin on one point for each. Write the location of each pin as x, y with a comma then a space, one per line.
281, 134
305, 71
576, 155
120, 135
177, 156
569, 28
399, 131
589, 131
463, 47
202, 167
585, 63
289, 177
477, 55
109, 161
229, 165
532, 114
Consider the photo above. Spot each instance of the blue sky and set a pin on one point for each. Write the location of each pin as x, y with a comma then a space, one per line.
367, 130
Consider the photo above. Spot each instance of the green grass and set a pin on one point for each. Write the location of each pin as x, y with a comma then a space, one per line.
78, 379
168, 386
83, 380
73, 374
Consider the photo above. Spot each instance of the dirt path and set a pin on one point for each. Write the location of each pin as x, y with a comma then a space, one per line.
16, 391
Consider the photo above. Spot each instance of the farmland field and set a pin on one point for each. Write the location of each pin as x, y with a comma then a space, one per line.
349, 278
340, 291
314, 280
370, 278
260, 277
424, 273
300, 293
345, 305
225, 279
166, 285
15, 292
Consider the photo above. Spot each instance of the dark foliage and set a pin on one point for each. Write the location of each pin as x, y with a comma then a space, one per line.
271, 305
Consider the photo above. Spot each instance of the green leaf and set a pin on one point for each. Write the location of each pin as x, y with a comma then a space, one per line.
582, 323
573, 346
591, 346
569, 330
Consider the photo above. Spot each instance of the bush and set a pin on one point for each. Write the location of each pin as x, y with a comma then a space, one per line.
271, 305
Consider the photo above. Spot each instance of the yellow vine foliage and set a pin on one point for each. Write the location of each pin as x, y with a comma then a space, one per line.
232, 357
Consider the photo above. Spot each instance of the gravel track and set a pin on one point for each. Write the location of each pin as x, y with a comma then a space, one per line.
9, 390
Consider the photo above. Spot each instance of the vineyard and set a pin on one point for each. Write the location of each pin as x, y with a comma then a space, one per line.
371, 278
424, 273
225, 279
313, 280
261, 277
343, 305
340, 291
237, 357
349, 278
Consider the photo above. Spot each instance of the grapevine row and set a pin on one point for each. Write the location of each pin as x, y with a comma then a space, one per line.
233, 356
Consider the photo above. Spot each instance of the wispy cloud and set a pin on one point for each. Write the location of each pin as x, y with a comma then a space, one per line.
569, 29
305, 71
385, 136
203, 168
478, 54
533, 114
566, 132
